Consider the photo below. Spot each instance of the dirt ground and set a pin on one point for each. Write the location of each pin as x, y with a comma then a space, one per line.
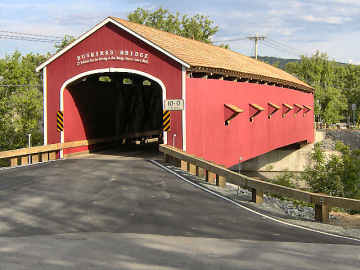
346, 221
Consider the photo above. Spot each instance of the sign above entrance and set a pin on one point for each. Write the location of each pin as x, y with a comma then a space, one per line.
174, 104
112, 55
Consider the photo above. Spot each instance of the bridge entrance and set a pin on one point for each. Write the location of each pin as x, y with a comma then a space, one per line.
117, 104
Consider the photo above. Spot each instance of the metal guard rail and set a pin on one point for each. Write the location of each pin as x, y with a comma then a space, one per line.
208, 170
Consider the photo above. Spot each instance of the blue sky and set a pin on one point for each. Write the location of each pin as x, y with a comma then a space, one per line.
292, 27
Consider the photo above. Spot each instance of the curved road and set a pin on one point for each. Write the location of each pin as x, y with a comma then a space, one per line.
119, 211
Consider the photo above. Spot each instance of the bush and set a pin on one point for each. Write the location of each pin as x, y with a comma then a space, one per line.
336, 175
285, 180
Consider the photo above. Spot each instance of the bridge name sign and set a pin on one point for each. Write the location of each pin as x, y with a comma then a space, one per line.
112, 55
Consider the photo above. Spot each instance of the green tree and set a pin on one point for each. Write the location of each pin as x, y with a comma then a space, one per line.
65, 42
323, 175
20, 100
336, 175
327, 77
198, 27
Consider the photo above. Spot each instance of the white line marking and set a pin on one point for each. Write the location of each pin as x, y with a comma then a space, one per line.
248, 209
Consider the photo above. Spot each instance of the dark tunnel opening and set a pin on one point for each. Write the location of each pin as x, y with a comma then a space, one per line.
118, 105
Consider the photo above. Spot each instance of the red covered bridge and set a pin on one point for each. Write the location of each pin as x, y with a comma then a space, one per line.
115, 79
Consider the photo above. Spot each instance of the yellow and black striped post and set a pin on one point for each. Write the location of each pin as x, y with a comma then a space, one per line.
166, 121
60, 121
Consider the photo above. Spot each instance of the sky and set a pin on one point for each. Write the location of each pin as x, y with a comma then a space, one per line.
291, 27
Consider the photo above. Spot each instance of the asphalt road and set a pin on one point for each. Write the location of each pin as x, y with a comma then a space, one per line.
119, 211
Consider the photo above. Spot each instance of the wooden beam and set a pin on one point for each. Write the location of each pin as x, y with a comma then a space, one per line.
257, 195
259, 108
192, 169
34, 158
52, 155
233, 108
24, 160
13, 161
44, 157
274, 105
210, 177
200, 172
184, 165
322, 213
220, 181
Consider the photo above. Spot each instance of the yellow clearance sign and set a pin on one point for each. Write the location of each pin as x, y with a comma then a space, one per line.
166, 121
60, 121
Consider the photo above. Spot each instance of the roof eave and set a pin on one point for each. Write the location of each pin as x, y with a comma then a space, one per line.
301, 87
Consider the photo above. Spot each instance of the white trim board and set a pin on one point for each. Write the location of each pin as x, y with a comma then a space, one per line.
45, 104
118, 24
183, 116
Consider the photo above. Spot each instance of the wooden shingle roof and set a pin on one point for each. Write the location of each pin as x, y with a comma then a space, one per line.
197, 56
201, 56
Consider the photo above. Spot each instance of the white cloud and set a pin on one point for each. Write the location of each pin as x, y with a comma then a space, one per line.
326, 19
348, 2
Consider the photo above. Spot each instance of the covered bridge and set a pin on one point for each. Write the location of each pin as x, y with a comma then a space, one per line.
116, 80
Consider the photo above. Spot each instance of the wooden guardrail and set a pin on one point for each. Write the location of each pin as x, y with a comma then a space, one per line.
219, 175
36, 154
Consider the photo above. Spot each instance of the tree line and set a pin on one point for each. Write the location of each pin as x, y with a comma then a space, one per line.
336, 85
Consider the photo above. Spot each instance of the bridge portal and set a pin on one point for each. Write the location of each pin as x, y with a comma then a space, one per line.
118, 104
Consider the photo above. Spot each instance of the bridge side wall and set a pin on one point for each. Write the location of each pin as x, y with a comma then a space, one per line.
208, 137
106, 39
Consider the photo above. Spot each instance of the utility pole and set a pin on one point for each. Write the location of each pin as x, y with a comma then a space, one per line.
256, 38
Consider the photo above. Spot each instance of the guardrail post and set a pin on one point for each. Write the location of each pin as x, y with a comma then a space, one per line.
200, 172
13, 161
257, 195
184, 165
220, 181
45, 157
24, 160
192, 169
35, 158
210, 177
52, 155
322, 212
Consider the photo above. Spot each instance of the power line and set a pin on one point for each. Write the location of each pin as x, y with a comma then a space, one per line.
229, 40
266, 44
287, 47
29, 37
28, 34
281, 49
278, 48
